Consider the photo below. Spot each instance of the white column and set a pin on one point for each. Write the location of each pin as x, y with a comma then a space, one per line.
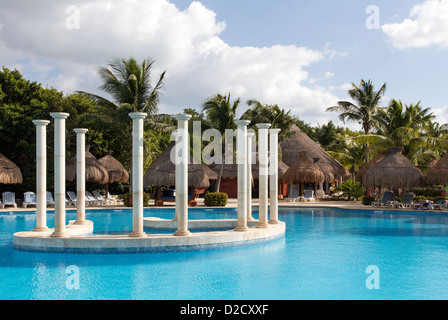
263, 179
273, 175
241, 156
250, 136
182, 158
59, 174
137, 174
81, 176
41, 175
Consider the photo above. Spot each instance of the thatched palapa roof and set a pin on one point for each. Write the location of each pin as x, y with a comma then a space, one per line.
301, 142
230, 171
9, 172
363, 170
95, 172
162, 172
303, 171
394, 171
439, 173
116, 171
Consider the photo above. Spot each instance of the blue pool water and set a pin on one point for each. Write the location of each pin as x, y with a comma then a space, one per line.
324, 255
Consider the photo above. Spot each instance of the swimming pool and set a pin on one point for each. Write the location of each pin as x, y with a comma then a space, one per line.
325, 254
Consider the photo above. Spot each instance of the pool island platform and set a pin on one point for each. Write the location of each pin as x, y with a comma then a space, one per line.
80, 239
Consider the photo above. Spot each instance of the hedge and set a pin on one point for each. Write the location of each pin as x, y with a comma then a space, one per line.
216, 199
128, 196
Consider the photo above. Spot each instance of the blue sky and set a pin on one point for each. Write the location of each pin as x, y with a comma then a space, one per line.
301, 55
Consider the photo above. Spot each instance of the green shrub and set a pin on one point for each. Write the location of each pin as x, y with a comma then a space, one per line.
128, 196
351, 188
367, 200
216, 199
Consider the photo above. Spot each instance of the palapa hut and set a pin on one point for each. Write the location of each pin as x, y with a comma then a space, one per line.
393, 172
302, 171
9, 172
301, 142
95, 172
229, 179
162, 172
439, 173
363, 170
116, 171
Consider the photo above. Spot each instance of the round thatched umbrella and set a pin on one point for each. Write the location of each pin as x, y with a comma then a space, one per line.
303, 171
117, 173
9, 171
438, 174
95, 172
301, 142
363, 170
393, 172
162, 172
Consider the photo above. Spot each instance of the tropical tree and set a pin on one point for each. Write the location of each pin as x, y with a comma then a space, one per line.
364, 109
129, 85
407, 126
221, 114
273, 114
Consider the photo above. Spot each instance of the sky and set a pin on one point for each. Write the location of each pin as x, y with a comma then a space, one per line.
301, 55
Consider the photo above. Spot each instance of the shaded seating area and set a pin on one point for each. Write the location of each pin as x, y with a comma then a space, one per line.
293, 196
386, 199
162, 173
308, 196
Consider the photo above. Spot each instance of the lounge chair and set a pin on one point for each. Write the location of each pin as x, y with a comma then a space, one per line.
29, 199
99, 197
439, 205
320, 195
93, 200
309, 196
116, 200
387, 197
407, 201
50, 200
293, 196
9, 199
73, 199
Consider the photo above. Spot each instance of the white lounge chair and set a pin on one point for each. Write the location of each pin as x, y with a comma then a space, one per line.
98, 196
117, 201
320, 195
309, 196
50, 200
29, 199
94, 200
9, 199
293, 196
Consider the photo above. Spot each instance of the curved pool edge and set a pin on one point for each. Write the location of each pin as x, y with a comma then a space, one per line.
151, 243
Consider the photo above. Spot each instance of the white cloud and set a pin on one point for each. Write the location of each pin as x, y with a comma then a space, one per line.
427, 25
186, 43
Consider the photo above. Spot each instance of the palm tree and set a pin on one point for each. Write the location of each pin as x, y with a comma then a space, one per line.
364, 109
273, 114
221, 114
407, 126
128, 83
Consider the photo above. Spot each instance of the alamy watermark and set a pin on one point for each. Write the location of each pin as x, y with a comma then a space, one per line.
373, 20
72, 281
373, 280
73, 20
